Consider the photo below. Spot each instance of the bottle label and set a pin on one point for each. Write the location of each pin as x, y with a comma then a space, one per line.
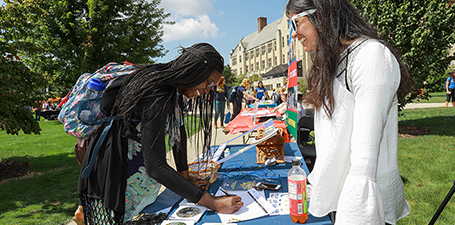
298, 204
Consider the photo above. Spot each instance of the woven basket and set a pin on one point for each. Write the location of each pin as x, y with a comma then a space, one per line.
203, 170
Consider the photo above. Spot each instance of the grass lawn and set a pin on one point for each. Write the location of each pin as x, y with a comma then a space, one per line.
427, 164
436, 97
49, 196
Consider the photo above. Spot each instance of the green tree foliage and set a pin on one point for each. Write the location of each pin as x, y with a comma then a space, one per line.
81, 36
18, 84
421, 31
231, 79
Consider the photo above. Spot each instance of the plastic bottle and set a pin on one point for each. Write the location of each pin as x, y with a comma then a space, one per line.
298, 204
95, 88
90, 106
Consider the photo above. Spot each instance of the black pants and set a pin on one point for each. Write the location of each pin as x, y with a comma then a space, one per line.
236, 110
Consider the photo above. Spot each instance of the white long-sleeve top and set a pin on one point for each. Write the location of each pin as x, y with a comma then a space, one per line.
356, 172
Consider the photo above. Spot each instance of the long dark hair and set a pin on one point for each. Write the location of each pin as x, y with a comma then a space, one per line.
160, 82
335, 20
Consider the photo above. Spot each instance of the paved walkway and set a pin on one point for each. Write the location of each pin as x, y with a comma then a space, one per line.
219, 137
425, 105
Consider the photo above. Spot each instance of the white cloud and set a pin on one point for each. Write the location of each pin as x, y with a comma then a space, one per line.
199, 28
191, 20
187, 7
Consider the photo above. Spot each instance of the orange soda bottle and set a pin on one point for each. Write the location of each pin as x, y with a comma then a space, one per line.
298, 204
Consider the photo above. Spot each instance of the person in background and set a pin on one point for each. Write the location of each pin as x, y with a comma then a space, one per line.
38, 108
274, 96
353, 84
300, 109
221, 95
450, 89
249, 100
281, 108
127, 172
278, 93
261, 92
240, 94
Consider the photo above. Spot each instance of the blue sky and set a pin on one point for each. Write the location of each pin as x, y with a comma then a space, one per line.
221, 23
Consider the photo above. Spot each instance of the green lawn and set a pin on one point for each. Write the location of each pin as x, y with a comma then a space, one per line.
49, 196
427, 164
436, 97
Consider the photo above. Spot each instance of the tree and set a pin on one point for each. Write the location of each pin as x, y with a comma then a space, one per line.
229, 76
80, 36
421, 30
19, 85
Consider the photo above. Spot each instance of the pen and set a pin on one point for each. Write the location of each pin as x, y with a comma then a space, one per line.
227, 194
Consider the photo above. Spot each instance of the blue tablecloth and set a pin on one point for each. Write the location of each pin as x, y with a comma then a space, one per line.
244, 167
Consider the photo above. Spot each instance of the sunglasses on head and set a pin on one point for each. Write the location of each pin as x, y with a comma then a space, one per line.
304, 13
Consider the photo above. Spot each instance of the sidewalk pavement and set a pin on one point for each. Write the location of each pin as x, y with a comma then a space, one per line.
218, 137
425, 105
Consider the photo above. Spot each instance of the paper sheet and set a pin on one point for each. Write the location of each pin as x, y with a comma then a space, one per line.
280, 203
255, 206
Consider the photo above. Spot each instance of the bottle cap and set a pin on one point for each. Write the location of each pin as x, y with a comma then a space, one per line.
296, 162
96, 84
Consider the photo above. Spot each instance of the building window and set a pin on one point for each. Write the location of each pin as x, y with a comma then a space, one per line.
263, 50
284, 58
274, 45
246, 68
269, 63
282, 40
252, 67
241, 71
257, 66
234, 61
276, 62
269, 47
246, 56
257, 52
235, 72
240, 59
262, 64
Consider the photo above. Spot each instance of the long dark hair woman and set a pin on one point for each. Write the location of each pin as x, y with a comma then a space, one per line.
148, 105
353, 84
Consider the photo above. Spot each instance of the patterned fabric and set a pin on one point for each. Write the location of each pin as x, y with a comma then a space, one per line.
69, 113
141, 189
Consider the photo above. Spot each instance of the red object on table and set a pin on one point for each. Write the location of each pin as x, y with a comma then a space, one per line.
243, 123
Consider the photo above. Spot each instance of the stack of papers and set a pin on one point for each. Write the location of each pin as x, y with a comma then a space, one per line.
255, 206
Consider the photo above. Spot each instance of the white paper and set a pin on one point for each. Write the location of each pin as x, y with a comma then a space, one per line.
280, 203
254, 206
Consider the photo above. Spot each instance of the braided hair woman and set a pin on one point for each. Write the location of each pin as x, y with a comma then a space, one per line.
353, 84
131, 164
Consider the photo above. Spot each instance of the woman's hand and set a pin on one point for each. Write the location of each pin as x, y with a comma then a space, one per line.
222, 204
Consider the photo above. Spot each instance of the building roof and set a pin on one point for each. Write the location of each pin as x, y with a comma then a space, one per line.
267, 34
280, 70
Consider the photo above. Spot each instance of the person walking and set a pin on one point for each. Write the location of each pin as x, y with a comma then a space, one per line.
221, 95
125, 175
353, 84
450, 89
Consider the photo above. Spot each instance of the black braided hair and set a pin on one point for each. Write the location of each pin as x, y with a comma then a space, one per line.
161, 81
